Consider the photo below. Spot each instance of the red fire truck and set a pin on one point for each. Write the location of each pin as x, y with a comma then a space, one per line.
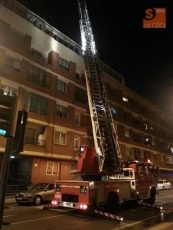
105, 180
137, 181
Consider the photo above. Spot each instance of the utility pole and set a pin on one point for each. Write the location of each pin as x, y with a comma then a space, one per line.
8, 105
4, 176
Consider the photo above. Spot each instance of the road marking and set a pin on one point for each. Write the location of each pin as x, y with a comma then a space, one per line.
56, 209
27, 221
122, 225
8, 216
161, 226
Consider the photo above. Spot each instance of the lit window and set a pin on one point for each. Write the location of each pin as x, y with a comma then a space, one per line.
145, 125
63, 63
2, 132
151, 128
52, 168
127, 132
125, 99
169, 160
153, 142
62, 86
6, 90
147, 141
60, 138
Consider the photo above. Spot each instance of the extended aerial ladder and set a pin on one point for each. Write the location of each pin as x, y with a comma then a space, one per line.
104, 132
92, 192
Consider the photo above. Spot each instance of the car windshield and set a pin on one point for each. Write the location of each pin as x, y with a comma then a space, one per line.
39, 186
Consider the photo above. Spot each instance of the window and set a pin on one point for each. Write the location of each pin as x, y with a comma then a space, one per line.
77, 119
145, 125
62, 86
6, 90
155, 157
147, 141
153, 141
60, 138
76, 142
16, 37
135, 105
36, 103
146, 170
77, 76
29, 135
73, 168
51, 186
137, 154
80, 95
38, 76
127, 132
2, 132
52, 168
13, 64
128, 153
61, 111
169, 160
141, 170
63, 63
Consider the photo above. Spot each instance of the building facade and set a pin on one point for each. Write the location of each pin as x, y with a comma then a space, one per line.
45, 69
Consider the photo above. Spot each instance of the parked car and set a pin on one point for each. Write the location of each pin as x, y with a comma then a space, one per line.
163, 184
37, 194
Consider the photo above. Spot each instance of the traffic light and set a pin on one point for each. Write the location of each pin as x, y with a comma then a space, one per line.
8, 106
18, 140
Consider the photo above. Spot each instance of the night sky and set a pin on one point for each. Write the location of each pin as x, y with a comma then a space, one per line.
143, 56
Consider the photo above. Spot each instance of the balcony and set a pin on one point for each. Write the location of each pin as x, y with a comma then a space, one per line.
35, 135
32, 141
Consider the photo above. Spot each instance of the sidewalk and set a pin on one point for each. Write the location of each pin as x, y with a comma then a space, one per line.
10, 199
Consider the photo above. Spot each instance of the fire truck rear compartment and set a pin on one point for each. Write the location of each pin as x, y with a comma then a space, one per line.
70, 198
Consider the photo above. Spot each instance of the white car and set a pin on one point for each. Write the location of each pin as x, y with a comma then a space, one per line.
163, 184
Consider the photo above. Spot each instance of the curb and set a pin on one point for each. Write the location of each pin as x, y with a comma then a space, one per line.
10, 200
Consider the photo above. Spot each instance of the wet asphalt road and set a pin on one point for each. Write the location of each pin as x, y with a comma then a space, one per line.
34, 217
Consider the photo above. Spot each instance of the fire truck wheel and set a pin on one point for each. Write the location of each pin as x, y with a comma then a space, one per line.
152, 196
112, 202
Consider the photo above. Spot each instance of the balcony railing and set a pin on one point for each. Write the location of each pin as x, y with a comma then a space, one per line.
33, 141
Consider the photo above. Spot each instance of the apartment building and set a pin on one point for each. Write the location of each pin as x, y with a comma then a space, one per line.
45, 69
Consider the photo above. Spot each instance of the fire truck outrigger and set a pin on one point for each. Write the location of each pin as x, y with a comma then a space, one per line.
105, 180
